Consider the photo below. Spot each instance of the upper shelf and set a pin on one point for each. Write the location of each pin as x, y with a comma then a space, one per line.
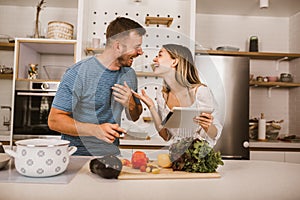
7, 46
31, 3
252, 55
273, 84
49, 46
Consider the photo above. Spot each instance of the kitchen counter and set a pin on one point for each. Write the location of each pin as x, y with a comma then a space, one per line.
274, 144
239, 180
159, 142
155, 140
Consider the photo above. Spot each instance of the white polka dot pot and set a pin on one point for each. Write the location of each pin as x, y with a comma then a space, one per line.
41, 157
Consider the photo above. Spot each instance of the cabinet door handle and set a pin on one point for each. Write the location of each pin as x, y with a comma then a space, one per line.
49, 94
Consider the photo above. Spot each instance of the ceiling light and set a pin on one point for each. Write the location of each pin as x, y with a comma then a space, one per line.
264, 3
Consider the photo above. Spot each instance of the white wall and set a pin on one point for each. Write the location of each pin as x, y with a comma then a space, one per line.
220, 30
273, 34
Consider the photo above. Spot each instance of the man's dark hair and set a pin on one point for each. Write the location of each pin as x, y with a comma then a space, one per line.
122, 26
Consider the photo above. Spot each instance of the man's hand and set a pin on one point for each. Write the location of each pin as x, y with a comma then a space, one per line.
109, 132
122, 94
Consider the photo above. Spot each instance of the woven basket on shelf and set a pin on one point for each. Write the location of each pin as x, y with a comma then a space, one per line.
60, 30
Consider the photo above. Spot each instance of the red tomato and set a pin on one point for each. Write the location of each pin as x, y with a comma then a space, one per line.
139, 159
143, 168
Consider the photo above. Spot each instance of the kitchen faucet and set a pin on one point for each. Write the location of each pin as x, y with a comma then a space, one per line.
6, 120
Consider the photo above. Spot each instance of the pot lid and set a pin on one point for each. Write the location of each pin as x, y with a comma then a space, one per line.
42, 142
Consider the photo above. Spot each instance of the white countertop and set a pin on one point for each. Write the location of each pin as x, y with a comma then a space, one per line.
274, 144
239, 180
158, 141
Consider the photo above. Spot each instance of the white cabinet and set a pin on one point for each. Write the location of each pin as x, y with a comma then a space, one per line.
267, 155
292, 157
280, 156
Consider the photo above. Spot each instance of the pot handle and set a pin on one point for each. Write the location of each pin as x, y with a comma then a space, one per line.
72, 150
11, 153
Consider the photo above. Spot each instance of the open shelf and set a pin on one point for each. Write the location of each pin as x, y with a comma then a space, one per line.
159, 20
149, 74
89, 50
273, 84
252, 55
43, 52
6, 76
7, 46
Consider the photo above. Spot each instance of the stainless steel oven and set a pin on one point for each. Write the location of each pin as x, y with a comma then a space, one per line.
31, 108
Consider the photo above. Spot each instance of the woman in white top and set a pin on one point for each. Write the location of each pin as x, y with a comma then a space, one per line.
181, 88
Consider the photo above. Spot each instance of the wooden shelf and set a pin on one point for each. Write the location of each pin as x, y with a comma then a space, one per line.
159, 20
252, 55
273, 84
6, 76
7, 46
36, 80
149, 74
89, 50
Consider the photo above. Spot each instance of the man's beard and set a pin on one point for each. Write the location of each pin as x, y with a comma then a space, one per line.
125, 60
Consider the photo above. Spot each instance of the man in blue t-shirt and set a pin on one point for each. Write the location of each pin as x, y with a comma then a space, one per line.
93, 93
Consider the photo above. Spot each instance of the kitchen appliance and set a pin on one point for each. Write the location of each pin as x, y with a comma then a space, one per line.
228, 78
31, 108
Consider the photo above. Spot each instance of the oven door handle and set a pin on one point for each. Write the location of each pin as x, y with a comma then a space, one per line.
48, 94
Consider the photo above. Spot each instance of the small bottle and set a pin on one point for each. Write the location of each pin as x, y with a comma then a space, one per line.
262, 127
253, 47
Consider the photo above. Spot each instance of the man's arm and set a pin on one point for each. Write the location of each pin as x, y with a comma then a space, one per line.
62, 122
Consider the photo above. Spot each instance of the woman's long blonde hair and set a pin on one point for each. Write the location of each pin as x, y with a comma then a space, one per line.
187, 73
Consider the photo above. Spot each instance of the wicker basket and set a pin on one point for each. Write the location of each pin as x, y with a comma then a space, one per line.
60, 30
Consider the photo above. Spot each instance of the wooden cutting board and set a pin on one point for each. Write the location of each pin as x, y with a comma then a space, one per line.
128, 173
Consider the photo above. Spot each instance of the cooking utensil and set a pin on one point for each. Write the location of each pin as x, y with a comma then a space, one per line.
41, 157
272, 78
286, 77
4, 159
227, 48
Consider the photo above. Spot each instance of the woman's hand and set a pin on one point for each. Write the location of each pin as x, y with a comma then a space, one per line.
144, 98
205, 120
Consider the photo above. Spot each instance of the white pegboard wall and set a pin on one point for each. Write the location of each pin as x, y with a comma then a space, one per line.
151, 85
100, 13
